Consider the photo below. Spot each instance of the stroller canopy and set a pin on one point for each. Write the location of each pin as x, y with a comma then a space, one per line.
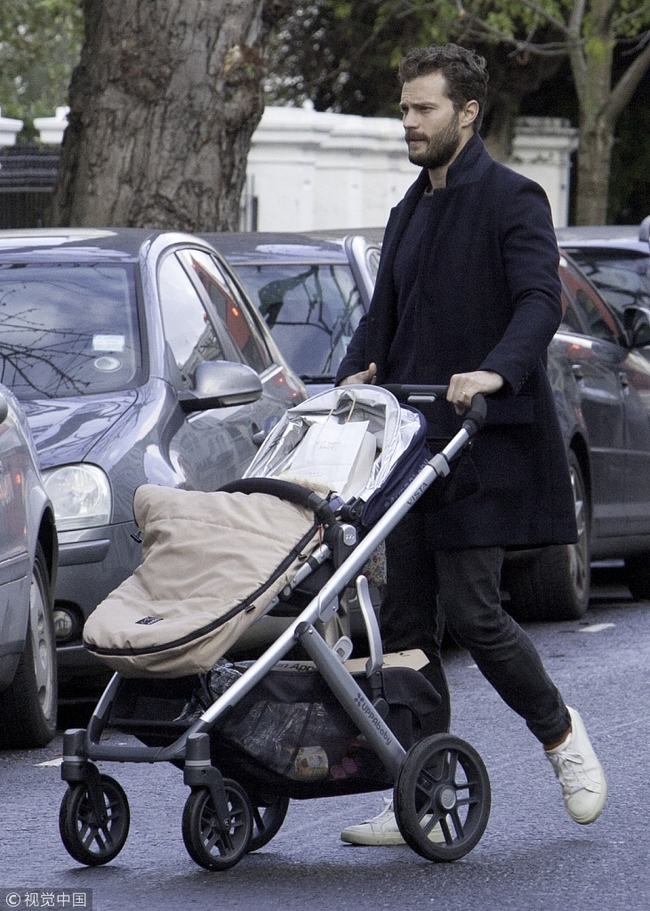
399, 432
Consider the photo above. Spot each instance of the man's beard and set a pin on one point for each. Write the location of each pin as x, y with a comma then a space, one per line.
440, 149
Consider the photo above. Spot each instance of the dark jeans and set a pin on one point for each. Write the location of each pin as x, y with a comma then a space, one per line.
466, 583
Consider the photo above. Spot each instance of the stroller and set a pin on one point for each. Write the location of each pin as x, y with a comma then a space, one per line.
304, 719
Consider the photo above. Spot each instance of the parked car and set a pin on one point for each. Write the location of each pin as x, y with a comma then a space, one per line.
594, 363
311, 290
28, 563
137, 359
617, 260
602, 386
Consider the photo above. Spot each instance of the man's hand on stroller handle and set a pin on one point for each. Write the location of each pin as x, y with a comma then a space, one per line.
464, 386
461, 389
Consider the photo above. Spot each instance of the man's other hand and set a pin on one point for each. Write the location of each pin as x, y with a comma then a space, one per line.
364, 376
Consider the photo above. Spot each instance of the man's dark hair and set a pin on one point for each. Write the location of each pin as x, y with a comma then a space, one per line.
464, 72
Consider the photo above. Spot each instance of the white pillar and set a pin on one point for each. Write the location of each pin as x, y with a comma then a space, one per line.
542, 150
51, 129
9, 129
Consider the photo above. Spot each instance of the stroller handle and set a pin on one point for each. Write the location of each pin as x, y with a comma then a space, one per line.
285, 490
414, 395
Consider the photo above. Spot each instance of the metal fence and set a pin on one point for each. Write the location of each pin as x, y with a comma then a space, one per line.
27, 177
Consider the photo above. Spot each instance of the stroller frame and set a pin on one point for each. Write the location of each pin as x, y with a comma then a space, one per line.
442, 792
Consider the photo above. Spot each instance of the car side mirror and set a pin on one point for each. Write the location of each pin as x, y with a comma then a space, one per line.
221, 384
637, 326
4, 409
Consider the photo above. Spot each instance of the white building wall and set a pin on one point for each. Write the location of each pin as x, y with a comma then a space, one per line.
310, 170
317, 170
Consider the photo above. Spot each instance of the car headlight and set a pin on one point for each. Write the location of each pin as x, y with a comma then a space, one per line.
81, 496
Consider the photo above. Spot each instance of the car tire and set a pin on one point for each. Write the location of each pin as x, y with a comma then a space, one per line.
552, 583
28, 707
637, 576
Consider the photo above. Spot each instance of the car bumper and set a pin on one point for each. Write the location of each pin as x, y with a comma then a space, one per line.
92, 563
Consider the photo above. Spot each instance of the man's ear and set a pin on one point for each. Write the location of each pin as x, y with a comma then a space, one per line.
469, 113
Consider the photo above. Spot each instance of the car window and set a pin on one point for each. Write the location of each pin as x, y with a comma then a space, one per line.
623, 278
188, 328
68, 329
230, 308
571, 315
312, 311
598, 321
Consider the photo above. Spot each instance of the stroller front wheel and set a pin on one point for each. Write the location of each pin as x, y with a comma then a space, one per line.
206, 843
91, 834
442, 798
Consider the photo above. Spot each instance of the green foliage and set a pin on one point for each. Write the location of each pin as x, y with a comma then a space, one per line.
40, 43
342, 54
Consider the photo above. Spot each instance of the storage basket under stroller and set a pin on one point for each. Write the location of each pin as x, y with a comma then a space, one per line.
250, 735
289, 735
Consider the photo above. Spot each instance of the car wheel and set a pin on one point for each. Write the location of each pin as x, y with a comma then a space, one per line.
28, 706
553, 584
637, 576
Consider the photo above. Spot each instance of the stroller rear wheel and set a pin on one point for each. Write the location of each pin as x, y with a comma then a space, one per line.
92, 834
442, 798
267, 821
206, 843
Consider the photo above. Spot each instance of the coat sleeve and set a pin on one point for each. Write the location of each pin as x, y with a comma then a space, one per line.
530, 259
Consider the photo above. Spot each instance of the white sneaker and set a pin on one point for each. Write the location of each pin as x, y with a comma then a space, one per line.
581, 775
383, 830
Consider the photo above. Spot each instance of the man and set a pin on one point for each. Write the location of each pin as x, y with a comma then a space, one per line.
468, 295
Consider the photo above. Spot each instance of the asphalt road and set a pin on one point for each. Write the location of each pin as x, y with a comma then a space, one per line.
532, 856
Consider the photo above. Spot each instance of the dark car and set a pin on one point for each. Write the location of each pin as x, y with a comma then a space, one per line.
28, 562
616, 259
137, 359
311, 289
601, 380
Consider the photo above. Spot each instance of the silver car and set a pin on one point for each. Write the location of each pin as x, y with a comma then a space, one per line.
28, 562
137, 359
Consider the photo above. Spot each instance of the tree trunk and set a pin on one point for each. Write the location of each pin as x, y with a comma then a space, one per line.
163, 106
594, 155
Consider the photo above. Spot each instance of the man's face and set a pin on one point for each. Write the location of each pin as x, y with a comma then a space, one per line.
432, 126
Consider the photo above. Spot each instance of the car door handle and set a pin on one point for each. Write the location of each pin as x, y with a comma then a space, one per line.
624, 378
578, 371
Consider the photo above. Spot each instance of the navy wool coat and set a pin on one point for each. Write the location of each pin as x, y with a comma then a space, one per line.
489, 299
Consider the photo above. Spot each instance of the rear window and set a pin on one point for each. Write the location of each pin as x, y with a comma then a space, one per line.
622, 277
312, 311
68, 329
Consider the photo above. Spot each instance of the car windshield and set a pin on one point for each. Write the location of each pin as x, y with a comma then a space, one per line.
311, 309
68, 329
622, 277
